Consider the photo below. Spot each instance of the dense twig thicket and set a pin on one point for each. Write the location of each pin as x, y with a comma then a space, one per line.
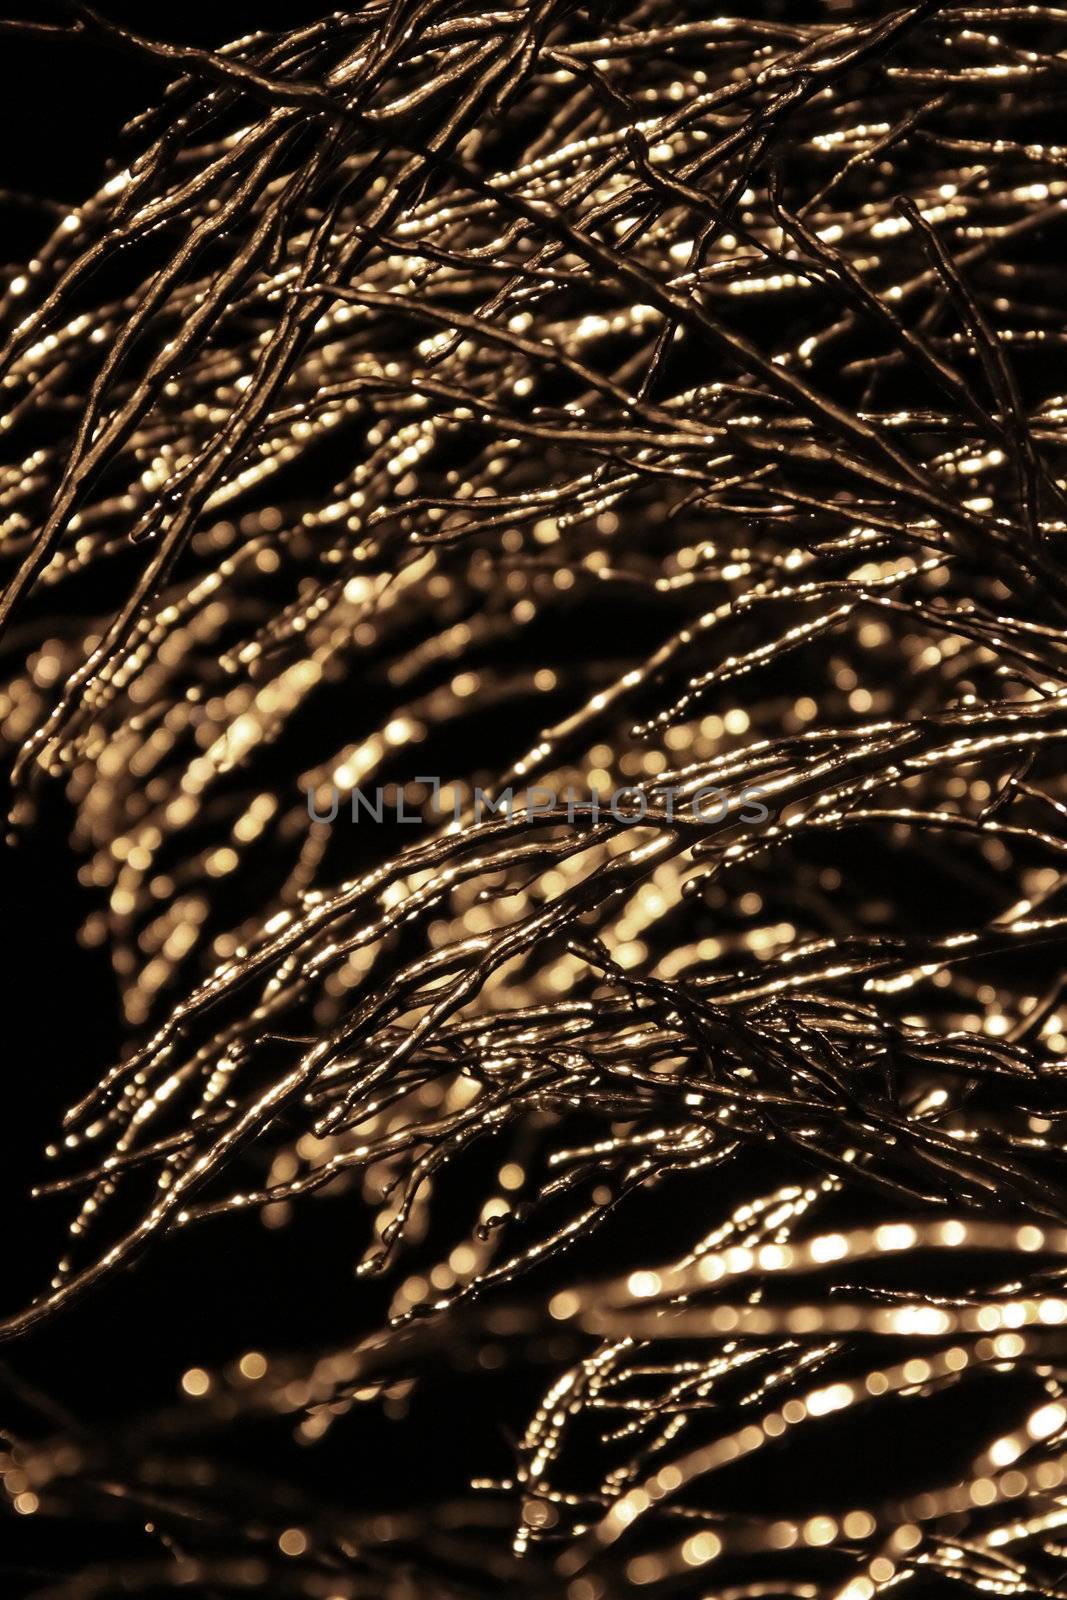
572, 398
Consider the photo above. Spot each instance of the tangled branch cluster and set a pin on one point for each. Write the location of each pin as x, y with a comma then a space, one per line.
585, 398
